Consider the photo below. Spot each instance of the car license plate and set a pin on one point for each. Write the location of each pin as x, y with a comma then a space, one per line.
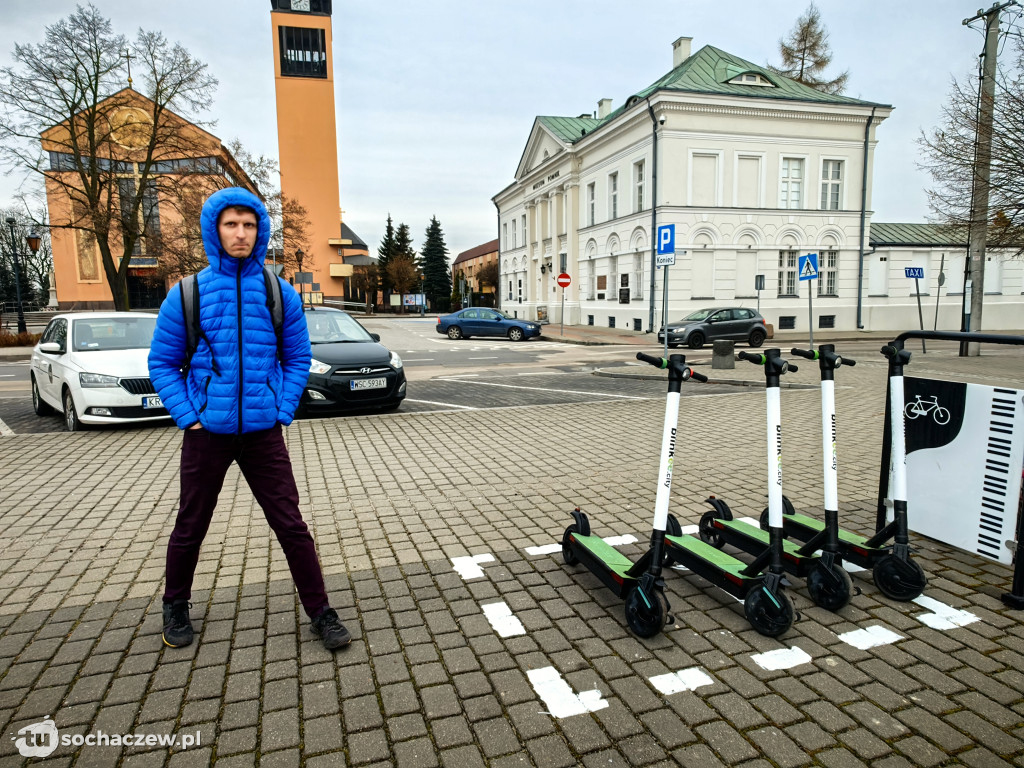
152, 402
368, 383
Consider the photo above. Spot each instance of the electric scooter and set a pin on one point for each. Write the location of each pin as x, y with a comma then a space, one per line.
765, 604
828, 583
895, 574
640, 583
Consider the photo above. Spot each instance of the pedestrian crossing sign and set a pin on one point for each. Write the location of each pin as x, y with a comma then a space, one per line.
809, 266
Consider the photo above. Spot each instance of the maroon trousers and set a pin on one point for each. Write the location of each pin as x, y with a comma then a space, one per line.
263, 459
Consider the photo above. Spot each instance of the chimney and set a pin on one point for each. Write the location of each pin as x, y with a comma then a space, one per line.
681, 51
604, 108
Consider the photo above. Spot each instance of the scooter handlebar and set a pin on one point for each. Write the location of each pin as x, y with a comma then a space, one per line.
698, 376
657, 362
810, 354
756, 359
848, 361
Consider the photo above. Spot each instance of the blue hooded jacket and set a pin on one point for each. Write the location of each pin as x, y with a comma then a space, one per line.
248, 388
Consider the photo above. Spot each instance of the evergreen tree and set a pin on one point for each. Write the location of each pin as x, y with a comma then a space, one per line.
437, 275
385, 252
806, 53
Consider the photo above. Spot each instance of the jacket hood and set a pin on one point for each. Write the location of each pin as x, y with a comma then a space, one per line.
219, 259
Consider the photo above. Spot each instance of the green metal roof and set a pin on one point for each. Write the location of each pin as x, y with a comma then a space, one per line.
569, 129
924, 235
709, 70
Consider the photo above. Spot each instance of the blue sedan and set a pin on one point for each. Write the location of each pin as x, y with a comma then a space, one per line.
480, 321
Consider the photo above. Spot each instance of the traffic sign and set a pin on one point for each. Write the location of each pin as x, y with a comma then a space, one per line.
915, 272
667, 240
809, 266
563, 280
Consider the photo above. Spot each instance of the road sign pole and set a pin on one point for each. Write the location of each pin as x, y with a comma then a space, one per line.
920, 314
810, 310
664, 308
561, 325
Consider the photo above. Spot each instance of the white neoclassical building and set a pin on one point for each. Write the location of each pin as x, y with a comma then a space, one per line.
754, 170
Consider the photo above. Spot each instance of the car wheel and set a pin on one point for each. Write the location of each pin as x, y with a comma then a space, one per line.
454, 332
696, 340
757, 337
38, 404
71, 422
516, 334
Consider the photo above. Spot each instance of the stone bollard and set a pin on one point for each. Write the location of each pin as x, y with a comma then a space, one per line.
722, 354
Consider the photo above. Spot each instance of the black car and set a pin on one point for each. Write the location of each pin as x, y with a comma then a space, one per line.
350, 370
704, 325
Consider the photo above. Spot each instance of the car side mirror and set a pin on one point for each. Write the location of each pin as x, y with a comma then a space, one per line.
375, 336
51, 348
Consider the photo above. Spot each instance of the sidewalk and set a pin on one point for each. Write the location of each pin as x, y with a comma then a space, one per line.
474, 643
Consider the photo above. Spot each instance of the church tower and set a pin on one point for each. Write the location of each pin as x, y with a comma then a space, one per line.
306, 132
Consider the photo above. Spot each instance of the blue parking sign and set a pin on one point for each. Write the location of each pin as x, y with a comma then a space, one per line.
808, 266
667, 238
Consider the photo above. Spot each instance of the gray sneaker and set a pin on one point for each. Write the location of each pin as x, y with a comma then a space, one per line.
330, 630
177, 627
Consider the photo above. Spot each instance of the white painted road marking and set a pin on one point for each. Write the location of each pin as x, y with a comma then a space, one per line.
870, 637
619, 541
943, 616
683, 680
546, 549
558, 696
502, 620
442, 405
469, 567
782, 658
545, 389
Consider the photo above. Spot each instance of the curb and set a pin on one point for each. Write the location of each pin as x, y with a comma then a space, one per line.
729, 382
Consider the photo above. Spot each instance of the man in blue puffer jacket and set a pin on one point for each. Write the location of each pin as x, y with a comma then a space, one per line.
231, 402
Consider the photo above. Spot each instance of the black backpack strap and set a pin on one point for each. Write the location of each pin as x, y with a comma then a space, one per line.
275, 303
193, 328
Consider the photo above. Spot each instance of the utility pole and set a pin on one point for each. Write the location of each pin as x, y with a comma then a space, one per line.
982, 169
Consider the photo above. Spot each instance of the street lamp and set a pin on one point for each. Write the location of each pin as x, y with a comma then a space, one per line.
33, 243
423, 296
298, 257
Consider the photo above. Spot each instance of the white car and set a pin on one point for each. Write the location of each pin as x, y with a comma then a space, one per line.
92, 367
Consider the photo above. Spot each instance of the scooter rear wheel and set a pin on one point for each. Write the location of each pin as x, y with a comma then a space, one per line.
901, 580
567, 554
708, 533
830, 586
787, 509
646, 614
770, 613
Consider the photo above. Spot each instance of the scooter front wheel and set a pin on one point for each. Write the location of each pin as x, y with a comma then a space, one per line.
708, 533
901, 580
646, 613
567, 554
770, 613
830, 586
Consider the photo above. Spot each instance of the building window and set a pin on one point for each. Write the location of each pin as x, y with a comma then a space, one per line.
791, 184
638, 275
146, 222
613, 195
504, 236
590, 204
831, 183
787, 273
524, 229
787, 323
638, 186
303, 52
515, 238
827, 268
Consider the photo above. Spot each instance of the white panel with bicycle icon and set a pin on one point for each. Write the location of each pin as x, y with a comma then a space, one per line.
965, 450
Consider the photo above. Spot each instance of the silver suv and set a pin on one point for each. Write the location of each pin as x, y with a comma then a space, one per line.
704, 325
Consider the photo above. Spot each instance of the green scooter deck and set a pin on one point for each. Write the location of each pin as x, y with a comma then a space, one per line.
604, 561
852, 546
754, 541
718, 567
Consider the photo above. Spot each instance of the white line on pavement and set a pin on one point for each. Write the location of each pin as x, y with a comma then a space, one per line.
782, 658
5, 431
683, 680
558, 696
943, 616
502, 621
545, 549
870, 637
443, 405
544, 389
492, 357
469, 567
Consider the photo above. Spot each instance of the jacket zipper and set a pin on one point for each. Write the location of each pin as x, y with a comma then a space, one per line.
241, 366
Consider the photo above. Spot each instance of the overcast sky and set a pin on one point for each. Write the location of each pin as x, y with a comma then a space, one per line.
435, 100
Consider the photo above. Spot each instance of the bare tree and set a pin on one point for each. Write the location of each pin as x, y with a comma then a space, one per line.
106, 148
366, 278
403, 273
806, 54
488, 274
948, 152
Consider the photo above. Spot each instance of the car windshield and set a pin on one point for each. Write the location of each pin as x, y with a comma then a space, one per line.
334, 328
700, 314
102, 333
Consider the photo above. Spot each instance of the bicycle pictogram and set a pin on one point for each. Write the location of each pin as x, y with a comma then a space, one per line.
923, 407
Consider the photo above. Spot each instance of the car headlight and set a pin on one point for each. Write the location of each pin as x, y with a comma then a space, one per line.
396, 361
315, 366
97, 380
